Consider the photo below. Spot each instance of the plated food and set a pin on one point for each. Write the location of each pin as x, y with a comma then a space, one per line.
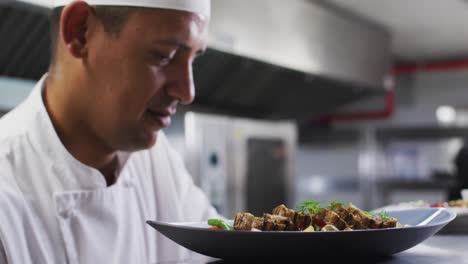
248, 245
310, 217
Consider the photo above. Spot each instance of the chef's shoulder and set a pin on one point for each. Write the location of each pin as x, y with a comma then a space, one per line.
13, 140
16, 124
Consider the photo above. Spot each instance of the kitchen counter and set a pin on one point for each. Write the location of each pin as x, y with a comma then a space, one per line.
446, 249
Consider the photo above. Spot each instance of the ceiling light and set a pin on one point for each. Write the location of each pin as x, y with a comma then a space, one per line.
316, 184
446, 114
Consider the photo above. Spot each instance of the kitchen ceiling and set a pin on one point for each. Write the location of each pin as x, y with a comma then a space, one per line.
422, 30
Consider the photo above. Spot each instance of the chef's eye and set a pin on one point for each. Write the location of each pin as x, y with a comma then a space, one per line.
163, 60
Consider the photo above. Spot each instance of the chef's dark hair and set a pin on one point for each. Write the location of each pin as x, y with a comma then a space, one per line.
112, 18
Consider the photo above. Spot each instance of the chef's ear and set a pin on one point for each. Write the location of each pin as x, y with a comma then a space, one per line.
74, 27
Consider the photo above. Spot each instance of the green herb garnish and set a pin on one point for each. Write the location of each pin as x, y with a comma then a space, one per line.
333, 205
384, 216
369, 214
309, 207
220, 223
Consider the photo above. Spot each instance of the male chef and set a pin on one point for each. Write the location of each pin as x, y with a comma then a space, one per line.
83, 160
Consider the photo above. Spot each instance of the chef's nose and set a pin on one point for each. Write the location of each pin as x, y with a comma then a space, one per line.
183, 87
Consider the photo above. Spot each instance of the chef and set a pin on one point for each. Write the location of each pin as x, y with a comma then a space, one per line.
83, 160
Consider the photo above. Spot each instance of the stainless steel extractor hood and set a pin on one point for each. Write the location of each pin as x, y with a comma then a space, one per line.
304, 36
293, 59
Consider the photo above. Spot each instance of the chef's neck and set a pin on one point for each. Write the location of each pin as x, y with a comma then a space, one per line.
80, 142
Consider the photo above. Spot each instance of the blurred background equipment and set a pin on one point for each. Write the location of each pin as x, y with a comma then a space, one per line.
242, 164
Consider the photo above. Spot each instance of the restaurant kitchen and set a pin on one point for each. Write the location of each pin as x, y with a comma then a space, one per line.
359, 101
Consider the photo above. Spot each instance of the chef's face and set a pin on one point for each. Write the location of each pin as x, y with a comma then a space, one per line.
139, 76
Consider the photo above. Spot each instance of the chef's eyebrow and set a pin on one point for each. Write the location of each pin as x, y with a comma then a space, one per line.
180, 44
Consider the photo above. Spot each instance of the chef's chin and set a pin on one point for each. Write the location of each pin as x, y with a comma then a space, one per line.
148, 134
149, 140
140, 141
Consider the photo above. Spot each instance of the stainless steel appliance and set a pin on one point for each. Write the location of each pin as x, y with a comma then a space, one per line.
242, 164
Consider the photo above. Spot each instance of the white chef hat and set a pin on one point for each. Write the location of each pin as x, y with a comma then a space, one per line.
202, 7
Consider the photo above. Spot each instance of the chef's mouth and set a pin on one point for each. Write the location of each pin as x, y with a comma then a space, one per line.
163, 119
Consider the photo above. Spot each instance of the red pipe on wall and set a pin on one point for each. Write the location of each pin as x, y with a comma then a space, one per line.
390, 103
430, 67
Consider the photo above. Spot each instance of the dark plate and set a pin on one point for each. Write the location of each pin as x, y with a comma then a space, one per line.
246, 244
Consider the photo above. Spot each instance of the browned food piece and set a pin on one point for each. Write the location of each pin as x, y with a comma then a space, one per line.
333, 218
355, 222
350, 220
282, 210
258, 223
319, 217
270, 225
302, 221
359, 220
247, 221
243, 221
389, 223
329, 217
275, 222
275, 218
375, 223
342, 212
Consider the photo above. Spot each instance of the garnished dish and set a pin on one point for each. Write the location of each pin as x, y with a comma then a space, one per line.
310, 217
373, 232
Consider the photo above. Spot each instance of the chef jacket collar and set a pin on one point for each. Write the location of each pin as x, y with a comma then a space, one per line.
46, 138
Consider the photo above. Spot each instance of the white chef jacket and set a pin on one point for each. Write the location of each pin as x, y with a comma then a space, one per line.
55, 209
